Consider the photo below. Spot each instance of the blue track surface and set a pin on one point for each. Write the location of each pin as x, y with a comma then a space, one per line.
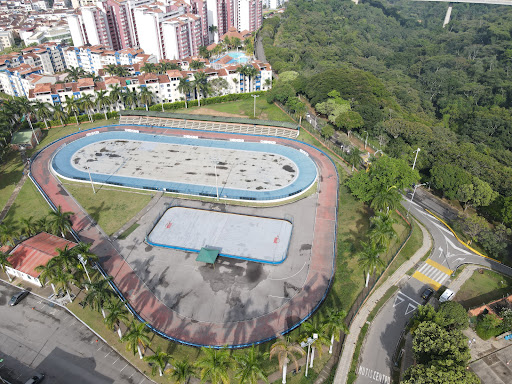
306, 176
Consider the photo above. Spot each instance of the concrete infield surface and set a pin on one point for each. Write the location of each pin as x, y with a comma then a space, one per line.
237, 236
236, 302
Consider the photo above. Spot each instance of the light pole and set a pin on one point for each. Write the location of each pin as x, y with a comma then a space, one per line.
412, 197
83, 261
90, 178
308, 343
365, 140
415, 157
254, 112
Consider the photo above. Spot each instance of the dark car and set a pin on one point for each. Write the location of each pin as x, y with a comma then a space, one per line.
18, 297
35, 379
427, 293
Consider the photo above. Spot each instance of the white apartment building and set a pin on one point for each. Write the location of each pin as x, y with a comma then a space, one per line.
49, 56
17, 81
94, 58
6, 39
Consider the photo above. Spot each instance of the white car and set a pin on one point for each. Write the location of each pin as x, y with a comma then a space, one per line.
446, 296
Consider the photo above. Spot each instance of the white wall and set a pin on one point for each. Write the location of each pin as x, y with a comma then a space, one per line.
76, 31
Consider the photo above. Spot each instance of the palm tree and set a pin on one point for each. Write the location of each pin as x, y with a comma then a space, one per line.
42, 225
116, 94
74, 73
146, 97
286, 351
251, 73
7, 234
98, 294
67, 258
87, 103
201, 85
49, 271
354, 157
185, 87
335, 324
60, 221
131, 98
315, 326
243, 71
117, 314
215, 365
204, 52
61, 280
26, 108
196, 64
148, 68
59, 114
213, 30
122, 71
103, 101
382, 231
386, 198
182, 371
249, 367
28, 226
111, 69
5, 263
43, 112
369, 258
72, 107
159, 361
137, 337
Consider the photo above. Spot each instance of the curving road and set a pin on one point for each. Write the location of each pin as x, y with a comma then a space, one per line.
377, 357
163, 319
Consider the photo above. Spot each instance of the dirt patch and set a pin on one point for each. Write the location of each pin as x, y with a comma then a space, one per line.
212, 112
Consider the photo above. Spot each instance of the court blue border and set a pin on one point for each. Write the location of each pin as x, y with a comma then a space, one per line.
305, 175
127, 303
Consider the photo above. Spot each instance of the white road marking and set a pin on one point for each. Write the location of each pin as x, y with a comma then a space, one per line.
142, 380
123, 368
109, 352
397, 302
457, 248
374, 375
410, 308
414, 301
134, 372
116, 360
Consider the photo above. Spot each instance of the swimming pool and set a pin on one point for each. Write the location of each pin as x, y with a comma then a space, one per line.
238, 57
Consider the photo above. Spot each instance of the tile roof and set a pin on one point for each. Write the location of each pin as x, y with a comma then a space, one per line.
35, 251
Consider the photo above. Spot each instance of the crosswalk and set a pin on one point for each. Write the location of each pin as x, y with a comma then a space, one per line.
432, 273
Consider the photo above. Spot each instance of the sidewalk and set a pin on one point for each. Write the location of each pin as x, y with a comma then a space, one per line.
360, 319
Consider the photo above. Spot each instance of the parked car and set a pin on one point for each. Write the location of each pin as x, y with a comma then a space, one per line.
35, 379
18, 297
446, 296
427, 293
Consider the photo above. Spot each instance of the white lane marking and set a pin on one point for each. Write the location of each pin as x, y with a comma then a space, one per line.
403, 294
442, 228
397, 302
109, 352
410, 308
134, 372
465, 252
142, 380
374, 375
123, 368
116, 360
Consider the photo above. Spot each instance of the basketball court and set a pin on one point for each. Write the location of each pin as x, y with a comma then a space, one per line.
245, 237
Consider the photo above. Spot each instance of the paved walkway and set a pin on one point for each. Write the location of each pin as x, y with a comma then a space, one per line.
360, 319
14, 194
161, 317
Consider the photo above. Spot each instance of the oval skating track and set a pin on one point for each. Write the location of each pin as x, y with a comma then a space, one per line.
161, 318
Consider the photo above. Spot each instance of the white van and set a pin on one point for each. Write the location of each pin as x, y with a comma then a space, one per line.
447, 295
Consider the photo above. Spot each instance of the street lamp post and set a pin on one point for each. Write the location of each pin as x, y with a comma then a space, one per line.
308, 344
83, 261
254, 112
412, 197
90, 178
365, 140
415, 157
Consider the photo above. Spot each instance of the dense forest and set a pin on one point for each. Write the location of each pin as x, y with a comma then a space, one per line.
412, 84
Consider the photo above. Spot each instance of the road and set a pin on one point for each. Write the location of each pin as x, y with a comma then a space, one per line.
376, 359
37, 337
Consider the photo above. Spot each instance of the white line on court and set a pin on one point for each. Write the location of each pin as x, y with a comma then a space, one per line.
289, 277
279, 297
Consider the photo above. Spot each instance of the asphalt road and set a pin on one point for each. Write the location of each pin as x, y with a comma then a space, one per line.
36, 337
376, 359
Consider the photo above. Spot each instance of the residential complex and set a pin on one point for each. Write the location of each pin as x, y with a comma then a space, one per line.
168, 29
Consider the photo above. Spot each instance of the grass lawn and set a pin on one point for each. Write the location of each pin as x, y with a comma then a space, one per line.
11, 170
482, 288
110, 208
264, 110
28, 203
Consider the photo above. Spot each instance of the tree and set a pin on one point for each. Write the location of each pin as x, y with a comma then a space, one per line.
116, 94
159, 360
72, 107
130, 98
369, 258
327, 131
43, 112
354, 157
214, 365
49, 271
4, 262
61, 280
185, 87
249, 367
201, 85
7, 234
148, 67
60, 221
67, 258
335, 324
136, 337
385, 172
146, 97
60, 115
99, 293
182, 371
117, 314
448, 179
196, 64
453, 315
213, 30
75, 73
349, 120
28, 226
314, 325
433, 374
26, 108
381, 230
386, 198
110, 69
425, 313
285, 350
103, 101
479, 193
432, 344
204, 52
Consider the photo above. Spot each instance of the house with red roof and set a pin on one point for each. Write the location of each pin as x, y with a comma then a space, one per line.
33, 252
